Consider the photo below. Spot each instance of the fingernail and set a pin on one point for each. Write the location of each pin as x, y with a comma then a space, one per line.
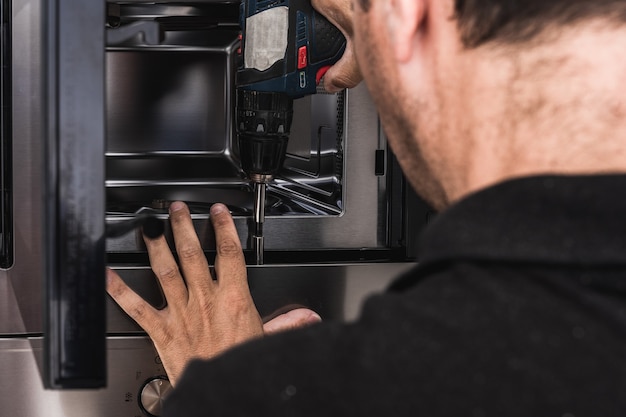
218, 208
176, 205
314, 318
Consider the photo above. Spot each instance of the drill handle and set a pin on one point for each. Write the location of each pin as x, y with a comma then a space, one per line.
326, 42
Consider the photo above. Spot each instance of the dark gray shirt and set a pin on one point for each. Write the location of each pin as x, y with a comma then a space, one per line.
517, 308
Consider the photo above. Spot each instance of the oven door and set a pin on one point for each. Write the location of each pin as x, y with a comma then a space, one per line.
73, 133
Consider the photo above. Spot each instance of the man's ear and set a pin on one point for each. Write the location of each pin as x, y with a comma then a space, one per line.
405, 19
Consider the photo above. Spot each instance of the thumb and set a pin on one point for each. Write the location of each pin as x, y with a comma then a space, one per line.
294, 319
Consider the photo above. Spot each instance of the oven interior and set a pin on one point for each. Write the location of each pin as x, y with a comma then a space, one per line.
170, 72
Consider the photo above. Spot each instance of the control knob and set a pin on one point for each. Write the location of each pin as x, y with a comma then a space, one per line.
152, 395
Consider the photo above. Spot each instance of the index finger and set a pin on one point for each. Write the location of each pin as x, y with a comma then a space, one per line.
345, 73
230, 264
132, 303
193, 262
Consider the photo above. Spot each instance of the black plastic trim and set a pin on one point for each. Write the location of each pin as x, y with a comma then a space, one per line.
6, 138
74, 198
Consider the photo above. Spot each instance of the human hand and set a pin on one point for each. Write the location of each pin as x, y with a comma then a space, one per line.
345, 73
203, 316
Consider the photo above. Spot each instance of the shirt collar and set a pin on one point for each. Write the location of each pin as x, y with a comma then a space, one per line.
545, 219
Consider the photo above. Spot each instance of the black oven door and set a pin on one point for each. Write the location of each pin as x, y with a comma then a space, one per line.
74, 203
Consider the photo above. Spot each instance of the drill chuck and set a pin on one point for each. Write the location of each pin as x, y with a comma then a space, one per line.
264, 120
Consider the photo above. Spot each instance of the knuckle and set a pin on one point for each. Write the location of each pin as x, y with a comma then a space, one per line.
228, 248
239, 302
237, 298
190, 252
168, 273
138, 313
207, 308
348, 78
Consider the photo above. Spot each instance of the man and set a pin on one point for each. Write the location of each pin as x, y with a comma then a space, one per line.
509, 117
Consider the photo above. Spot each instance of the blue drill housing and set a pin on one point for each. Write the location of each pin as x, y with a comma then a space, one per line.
323, 44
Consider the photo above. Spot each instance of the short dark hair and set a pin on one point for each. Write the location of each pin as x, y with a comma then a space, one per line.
517, 21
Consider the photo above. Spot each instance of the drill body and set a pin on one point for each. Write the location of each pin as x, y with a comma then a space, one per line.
286, 48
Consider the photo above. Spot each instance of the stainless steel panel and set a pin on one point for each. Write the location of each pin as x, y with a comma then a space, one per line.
168, 101
132, 360
21, 286
336, 292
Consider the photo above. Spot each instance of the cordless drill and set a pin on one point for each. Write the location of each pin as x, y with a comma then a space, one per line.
286, 48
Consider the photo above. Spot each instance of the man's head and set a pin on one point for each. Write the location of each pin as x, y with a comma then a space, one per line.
472, 92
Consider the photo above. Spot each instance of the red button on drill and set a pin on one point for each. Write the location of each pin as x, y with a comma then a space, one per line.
302, 59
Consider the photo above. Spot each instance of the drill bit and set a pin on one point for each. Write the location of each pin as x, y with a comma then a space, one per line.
259, 219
